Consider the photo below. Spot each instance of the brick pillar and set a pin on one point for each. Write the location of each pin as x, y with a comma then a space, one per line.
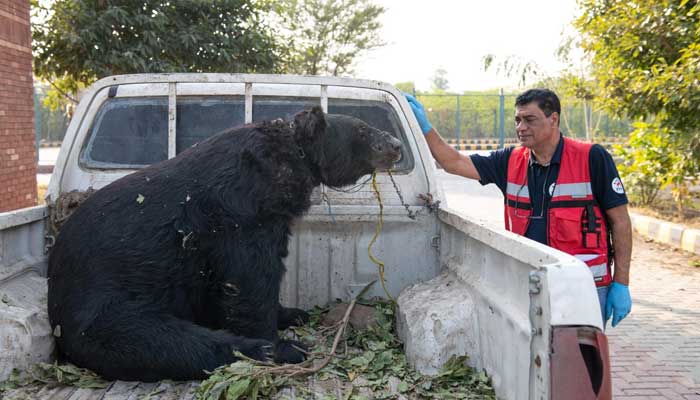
17, 142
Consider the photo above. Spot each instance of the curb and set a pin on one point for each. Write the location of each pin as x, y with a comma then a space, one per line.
44, 169
675, 235
477, 146
50, 144
481, 141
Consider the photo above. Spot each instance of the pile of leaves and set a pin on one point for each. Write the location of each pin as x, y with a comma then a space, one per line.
368, 363
53, 374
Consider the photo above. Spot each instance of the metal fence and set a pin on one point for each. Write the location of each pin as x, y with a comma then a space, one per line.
49, 126
480, 117
476, 117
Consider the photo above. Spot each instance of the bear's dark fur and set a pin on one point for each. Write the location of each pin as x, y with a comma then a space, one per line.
164, 273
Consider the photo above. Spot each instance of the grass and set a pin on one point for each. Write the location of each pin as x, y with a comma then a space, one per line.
665, 209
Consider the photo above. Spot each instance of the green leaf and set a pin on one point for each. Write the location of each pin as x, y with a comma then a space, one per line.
217, 390
254, 389
237, 389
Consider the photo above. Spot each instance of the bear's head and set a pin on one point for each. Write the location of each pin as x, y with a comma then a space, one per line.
344, 148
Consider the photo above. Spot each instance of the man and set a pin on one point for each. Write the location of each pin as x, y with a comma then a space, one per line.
558, 191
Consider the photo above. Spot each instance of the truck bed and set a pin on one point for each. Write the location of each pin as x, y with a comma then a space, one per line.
510, 295
118, 390
163, 390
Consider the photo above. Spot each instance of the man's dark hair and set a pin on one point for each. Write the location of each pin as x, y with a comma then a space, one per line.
546, 100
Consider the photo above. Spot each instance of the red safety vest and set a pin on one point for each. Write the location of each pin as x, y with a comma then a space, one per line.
575, 222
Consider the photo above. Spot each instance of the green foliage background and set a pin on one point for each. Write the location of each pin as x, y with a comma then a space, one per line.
325, 37
76, 42
645, 58
479, 115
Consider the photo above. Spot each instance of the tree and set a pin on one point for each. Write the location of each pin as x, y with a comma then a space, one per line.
573, 85
646, 60
645, 57
525, 70
648, 162
326, 36
439, 80
79, 41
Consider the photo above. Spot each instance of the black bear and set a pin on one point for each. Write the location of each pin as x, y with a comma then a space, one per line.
164, 273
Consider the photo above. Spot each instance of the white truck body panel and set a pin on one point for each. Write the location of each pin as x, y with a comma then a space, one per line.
25, 333
520, 289
510, 277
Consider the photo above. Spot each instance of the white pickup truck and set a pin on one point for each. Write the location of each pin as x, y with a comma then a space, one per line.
528, 314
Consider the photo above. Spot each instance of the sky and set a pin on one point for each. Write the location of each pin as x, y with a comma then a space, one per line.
455, 35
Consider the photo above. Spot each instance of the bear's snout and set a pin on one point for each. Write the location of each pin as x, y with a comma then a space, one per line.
387, 150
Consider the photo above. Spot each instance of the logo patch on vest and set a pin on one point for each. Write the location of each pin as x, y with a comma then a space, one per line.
617, 186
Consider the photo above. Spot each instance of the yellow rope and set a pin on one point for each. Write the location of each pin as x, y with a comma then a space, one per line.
380, 264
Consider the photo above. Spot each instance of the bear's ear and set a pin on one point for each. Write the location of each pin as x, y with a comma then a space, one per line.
309, 125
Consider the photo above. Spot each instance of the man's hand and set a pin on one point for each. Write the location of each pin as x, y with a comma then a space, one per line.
449, 158
419, 112
618, 303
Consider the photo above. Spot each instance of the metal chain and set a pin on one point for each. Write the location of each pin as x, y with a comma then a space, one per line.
411, 214
428, 198
352, 189
324, 197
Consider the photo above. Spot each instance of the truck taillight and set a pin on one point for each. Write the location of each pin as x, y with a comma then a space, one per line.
580, 364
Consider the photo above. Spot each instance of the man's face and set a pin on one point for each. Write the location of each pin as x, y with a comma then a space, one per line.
533, 127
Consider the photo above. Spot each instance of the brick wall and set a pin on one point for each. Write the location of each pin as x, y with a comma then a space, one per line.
17, 143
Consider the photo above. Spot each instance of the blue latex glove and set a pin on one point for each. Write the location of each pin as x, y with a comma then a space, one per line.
419, 112
618, 303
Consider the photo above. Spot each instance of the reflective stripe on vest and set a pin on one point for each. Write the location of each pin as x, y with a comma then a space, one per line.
520, 191
575, 223
598, 270
572, 190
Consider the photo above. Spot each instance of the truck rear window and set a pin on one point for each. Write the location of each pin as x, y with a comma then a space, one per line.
132, 132
201, 117
378, 114
128, 133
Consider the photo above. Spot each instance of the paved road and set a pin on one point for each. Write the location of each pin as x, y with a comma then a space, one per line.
655, 351
483, 203
47, 156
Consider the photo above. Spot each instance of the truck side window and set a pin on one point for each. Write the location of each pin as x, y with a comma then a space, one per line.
380, 115
375, 113
128, 132
132, 132
201, 117
268, 108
